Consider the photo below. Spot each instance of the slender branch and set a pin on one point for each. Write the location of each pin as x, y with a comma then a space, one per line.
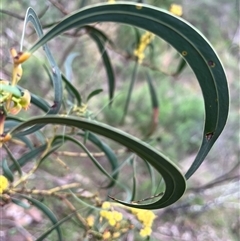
25, 177
59, 6
213, 184
59, 194
79, 217
81, 154
42, 13
219, 180
12, 14
48, 192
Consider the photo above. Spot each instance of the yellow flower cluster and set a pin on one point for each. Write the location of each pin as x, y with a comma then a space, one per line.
146, 217
144, 42
90, 220
11, 99
112, 216
6, 96
3, 183
118, 225
107, 235
18, 102
176, 9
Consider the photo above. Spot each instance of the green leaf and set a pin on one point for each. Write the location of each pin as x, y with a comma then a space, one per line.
155, 105
134, 189
39, 102
57, 225
137, 36
129, 94
109, 154
27, 157
47, 212
95, 162
153, 94
32, 17
107, 63
93, 93
15, 162
68, 65
186, 39
101, 35
20, 203
6, 171
72, 90
182, 64
174, 180
152, 176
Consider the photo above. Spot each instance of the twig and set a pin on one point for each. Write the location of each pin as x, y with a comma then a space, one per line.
42, 13
219, 180
79, 217
59, 7
148, 198
49, 191
81, 154
12, 14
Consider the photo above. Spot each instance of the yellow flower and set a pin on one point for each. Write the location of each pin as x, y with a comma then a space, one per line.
144, 232
104, 213
146, 217
3, 183
111, 1
22, 102
117, 216
112, 222
106, 235
106, 205
116, 235
144, 42
176, 9
90, 220
112, 216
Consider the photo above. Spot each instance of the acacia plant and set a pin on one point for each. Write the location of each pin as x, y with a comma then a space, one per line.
71, 122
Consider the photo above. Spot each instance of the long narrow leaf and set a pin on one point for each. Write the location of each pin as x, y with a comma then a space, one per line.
96, 163
15, 162
107, 63
130, 90
109, 154
73, 90
174, 180
43, 208
93, 93
155, 105
186, 39
6, 171
32, 17
134, 189
57, 225
27, 157
181, 65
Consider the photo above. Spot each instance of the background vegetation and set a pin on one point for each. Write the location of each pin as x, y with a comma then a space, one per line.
210, 208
